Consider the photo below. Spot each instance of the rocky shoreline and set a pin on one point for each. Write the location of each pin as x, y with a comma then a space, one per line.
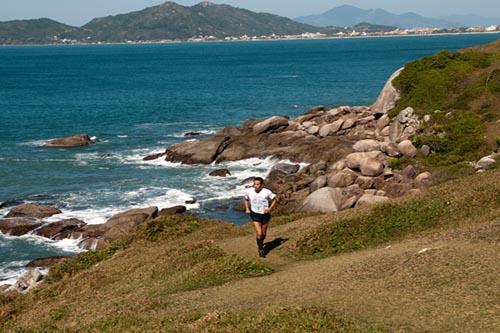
348, 151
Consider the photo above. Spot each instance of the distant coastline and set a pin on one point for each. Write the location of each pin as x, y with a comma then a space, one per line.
277, 38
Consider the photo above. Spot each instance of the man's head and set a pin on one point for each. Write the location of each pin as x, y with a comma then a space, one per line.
258, 184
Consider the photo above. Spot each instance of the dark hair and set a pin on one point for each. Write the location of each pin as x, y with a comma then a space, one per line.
259, 179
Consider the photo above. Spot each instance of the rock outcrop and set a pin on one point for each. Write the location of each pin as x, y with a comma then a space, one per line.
47, 262
69, 142
388, 96
18, 226
220, 173
33, 210
60, 229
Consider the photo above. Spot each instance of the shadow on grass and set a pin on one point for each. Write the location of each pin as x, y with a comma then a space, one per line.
269, 246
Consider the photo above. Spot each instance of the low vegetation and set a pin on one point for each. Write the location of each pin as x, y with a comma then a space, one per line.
461, 93
441, 207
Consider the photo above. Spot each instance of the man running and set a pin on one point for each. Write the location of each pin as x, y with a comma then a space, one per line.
257, 205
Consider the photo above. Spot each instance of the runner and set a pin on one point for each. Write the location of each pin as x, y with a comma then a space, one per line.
257, 205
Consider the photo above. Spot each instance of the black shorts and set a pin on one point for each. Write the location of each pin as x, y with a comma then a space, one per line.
262, 218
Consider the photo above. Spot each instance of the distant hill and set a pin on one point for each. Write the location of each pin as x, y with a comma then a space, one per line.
173, 21
40, 31
346, 15
166, 21
368, 27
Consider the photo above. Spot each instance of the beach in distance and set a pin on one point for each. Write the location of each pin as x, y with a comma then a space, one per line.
135, 100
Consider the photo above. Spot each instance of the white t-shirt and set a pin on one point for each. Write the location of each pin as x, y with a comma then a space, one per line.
259, 201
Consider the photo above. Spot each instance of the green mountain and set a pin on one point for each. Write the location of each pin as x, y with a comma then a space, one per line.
166, 21
368, 27
173, 21
40, 31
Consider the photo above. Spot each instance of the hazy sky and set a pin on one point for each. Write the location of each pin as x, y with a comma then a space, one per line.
78, 12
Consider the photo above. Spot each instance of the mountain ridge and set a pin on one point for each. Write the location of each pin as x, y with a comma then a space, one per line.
347, 15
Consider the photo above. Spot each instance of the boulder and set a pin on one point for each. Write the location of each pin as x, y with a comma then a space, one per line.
173, 211
320, 166
33, 210
409, 172
326, 130
405, 115
370, 199
367, 145
385, 131
388, 96
17, 226
349, 203
407, 148
324, 200
270, 124
318, 183
354, 160
423, 179
47, 262
286, 168
395, 131
28, 280
313, 130
383, 122
341, 179
307, 124
153, 157
348, 123
390, 149
124, 223
60, 229
336, 126
220, 173
93, 243
316, 109
425, 150
69, 142
371, 167
365, 182
485, 163
204, 151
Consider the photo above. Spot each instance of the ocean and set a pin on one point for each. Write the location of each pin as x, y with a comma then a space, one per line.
139, 99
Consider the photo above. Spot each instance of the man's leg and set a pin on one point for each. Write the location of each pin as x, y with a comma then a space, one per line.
259, 237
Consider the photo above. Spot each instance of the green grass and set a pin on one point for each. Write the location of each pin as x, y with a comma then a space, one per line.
464, 88
440, 207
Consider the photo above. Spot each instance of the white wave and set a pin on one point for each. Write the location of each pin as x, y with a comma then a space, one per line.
286, 76
35, 143
177, 124
67, 245
122, 136
12, 271
202, 132
172, 197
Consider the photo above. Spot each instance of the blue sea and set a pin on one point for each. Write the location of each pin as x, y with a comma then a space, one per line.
139, 99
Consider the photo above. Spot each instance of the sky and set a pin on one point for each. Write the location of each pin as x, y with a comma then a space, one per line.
79, 12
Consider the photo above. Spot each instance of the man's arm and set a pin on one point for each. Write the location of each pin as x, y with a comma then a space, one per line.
247, 206
273, 204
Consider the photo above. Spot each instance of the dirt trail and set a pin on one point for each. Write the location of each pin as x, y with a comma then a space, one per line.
392, 285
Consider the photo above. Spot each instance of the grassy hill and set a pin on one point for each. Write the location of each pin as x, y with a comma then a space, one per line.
461, 93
